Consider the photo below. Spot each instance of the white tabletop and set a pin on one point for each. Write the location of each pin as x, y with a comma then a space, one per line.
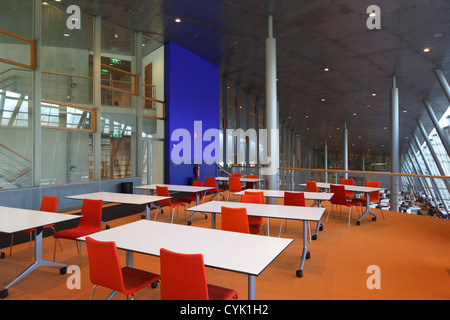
176, 188
242, 179
119, 197
347, 187
264, 210
238, 252
323, 196
15, 220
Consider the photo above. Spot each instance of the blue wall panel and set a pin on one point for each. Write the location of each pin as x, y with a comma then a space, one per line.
192, 94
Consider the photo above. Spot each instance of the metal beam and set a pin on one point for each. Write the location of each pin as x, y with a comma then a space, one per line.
443, 82
440, 132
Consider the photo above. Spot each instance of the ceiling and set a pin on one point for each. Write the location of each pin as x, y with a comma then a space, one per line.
313, 35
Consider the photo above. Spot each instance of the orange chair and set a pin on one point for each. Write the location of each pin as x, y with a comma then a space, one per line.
348, 182
255, 223
90, 222
235, 220
183, 277
163, 191
193, 197
374, 196
251, 185
234, 185
340, 198
48, 204
311, 186
293, 199
105, 270
212, 183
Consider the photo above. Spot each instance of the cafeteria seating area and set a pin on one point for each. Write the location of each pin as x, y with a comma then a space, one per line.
227, 150
336, 270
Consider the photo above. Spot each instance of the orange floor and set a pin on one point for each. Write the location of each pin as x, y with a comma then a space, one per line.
411, 251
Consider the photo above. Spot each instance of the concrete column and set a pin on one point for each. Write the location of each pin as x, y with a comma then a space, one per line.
395, 161
272, 113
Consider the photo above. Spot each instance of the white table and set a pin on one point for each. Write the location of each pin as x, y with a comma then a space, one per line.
236, 252
304, 214
138, 199
14, 220
366, 190
178, 188
318, 197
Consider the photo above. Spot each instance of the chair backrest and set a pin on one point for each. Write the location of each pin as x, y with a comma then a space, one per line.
92, 213
49, 204
250, 185
253, 197
236, 175
197, 184
374, 196
311, 186
234, 184
339, 196
348, 182
163, 191
252, 176
104, 264
294, 199
235, 219
210, 182
182, 276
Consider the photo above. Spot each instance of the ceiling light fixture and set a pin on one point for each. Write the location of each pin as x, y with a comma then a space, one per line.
177, 20
426, 50
326, 69
372, 14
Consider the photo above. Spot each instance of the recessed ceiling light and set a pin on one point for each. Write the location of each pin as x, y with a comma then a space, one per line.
374, 94
405, 111
45, 3
66, 35
116, 35
372, 14
354, 113
57, 0
426, 50
326, 69
323, 100
177, 20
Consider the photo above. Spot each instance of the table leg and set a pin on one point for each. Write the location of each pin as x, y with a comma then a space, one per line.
305, 252
374, 218
147, 211
251, 287
319, 223
38, 262
129, 259
213, 220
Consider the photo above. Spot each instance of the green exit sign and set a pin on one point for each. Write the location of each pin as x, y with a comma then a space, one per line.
116, 135
116, 61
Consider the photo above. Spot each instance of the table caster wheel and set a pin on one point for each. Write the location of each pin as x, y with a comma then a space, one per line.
63, 270
358, 223
154, 285
189, 223
314, 237
321, 228
374, 218
299, 273
2, 255
3, 293
308, 255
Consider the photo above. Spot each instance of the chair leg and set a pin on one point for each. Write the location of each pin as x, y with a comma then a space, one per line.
92, 293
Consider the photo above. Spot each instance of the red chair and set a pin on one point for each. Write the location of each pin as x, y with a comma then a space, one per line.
105, 270
293, 199
311, 186
193, 197
90, 222
340, 198
48, 204
235, 220
348, 182
239, 175
163, 191
234, 185
183, 277
251, 185
374, 196
255, 223
212, 183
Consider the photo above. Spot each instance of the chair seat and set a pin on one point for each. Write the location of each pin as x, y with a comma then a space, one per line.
136, 279
254, 224
75, 233
177, 203
29, 231
221, 293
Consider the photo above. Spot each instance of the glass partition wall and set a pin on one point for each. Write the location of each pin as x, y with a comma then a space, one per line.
58, 124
